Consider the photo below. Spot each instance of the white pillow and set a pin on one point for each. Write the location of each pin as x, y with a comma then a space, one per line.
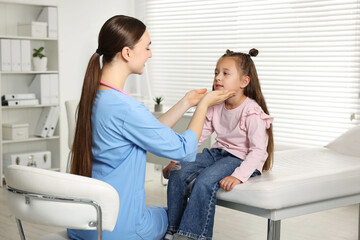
347, 143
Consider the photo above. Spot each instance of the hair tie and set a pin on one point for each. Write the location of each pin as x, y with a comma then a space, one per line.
99, 52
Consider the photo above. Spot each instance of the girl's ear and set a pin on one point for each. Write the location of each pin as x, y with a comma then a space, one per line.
245, 80
126, 53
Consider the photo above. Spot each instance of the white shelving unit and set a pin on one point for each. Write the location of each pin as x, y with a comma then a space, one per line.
12, 13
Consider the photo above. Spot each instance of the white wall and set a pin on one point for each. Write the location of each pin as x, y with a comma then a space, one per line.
79, 24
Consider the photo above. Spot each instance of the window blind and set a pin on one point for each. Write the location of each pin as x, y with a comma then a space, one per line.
308, 62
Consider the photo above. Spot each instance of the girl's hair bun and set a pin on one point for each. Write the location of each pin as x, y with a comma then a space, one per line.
253, 52
228, 52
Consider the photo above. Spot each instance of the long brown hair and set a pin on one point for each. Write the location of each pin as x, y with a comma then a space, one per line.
253, 90
116, 33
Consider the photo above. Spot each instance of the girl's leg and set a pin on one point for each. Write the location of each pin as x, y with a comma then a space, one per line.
179, 180
198, 219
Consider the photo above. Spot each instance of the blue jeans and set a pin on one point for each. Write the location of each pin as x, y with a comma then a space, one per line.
192, 192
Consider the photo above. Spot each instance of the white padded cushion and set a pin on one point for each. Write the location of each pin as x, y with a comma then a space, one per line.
348, 143
299, 176
75, 215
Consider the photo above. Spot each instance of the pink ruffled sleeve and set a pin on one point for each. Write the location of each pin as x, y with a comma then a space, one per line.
255, 122
258, 112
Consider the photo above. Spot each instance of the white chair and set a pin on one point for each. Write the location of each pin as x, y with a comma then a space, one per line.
71, 106
60, 199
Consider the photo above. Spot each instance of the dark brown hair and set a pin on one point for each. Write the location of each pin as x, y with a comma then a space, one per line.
116, 33
247, 67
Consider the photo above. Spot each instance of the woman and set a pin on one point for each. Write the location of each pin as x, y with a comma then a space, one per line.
114, 130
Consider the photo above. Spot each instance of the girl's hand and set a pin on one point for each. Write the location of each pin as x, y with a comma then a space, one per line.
216, 97
194, 96
166, 170
229, 182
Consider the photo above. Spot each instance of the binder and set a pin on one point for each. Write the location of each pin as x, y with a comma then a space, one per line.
54, 89
18, 96
54, 117
49, 15
15, 56
25, 102
43, 125
5, 55
25, 56
40, 85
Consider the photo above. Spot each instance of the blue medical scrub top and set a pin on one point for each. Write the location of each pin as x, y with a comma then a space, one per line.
123, 131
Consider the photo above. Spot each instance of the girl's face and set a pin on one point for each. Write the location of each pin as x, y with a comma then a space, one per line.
227, 76
140, 54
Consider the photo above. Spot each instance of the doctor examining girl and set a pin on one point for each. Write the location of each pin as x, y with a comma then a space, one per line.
114, 131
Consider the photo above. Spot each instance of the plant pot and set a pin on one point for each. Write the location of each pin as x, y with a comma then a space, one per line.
158, 107
40, 64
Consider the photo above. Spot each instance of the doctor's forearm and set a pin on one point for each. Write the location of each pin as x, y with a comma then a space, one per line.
197, 121
173, 115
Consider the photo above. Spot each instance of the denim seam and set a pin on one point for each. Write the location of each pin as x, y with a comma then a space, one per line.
213, 196
192, 235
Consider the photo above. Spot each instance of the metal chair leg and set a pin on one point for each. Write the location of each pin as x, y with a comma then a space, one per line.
21, 230
273, 230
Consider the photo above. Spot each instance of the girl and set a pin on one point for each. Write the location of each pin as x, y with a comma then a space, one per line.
243, 149
114, 131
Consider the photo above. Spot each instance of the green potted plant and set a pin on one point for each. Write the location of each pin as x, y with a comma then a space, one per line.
158, 106
39, 59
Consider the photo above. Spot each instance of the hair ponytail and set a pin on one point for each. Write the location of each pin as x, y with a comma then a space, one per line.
116, 33
81, 149
253, 90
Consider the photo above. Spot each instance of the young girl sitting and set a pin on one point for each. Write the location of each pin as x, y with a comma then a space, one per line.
243, 149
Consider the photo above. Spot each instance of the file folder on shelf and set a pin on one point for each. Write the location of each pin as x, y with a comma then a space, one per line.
15, 56
40, 85
5, 55
54, 117
49, 15
16, 102
18, 96
25, 56
54, 89
46, 88
43, 124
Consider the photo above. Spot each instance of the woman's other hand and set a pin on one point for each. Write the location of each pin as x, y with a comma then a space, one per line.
229, 182
166, 170
194, 96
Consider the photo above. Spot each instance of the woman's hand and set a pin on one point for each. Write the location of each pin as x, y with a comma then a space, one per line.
216, 97
166, 170
229, 182
194, 96
211, 98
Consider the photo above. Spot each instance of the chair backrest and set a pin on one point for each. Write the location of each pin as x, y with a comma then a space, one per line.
71, 107
48, 211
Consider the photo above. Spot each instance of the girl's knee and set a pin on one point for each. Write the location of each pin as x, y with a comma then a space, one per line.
175, 175
206, 182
